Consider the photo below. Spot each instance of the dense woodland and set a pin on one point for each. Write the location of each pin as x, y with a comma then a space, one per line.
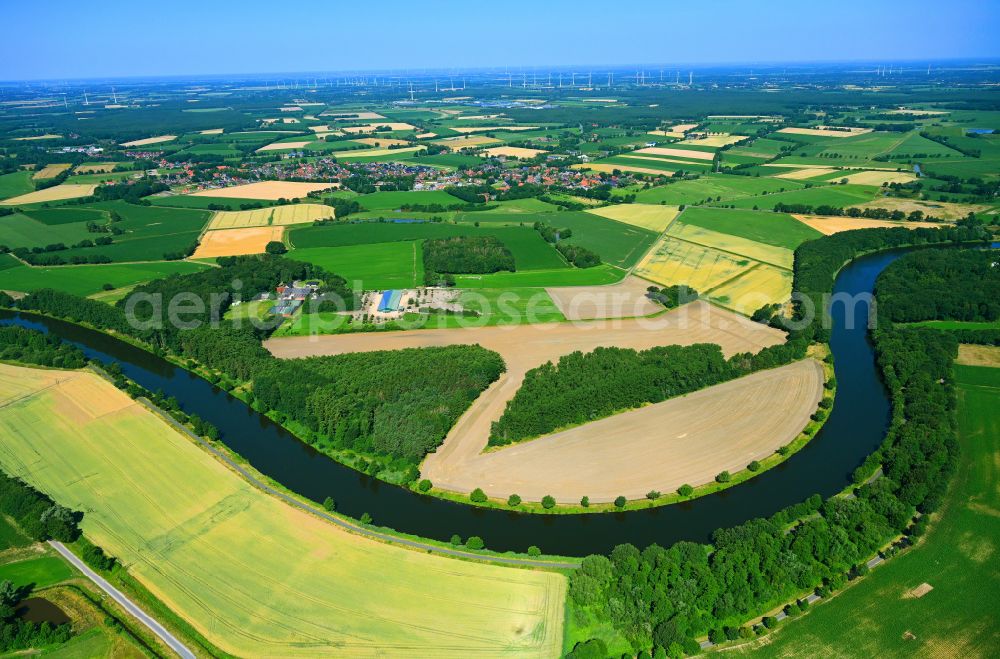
938, 284
664, 599
18, 344
585, 387
465, 255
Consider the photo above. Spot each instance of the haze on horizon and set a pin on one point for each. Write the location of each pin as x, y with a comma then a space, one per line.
59, 39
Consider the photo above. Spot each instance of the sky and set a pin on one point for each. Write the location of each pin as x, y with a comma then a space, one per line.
59, 39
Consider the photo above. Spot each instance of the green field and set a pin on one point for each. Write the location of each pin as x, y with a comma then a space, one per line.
15, 184
712, 188
89, 279
875, 618
40, 571
383, 201
66, 215
376, 267
294, 584
187, 201
11, 536
530, 251
838, 196
19, 230
959, 324
776, 229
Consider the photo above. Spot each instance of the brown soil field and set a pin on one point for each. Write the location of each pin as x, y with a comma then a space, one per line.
658, 447
976, 355
717, 140
51, 171
55, 193
524, 347
830, 225
677, 153
211, 131
945, 210
150, 140
826, 133
424, 136
271, 190
279, 146
807, 173
626, 299
512, 152
233, 242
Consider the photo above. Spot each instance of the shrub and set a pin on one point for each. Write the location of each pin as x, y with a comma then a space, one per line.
548, 502
770, 622
424, 485
754, 466
783, 450
685, 490
329, 504
478, 496
514, 500
366, 518
620, 502
585, 502
533, 550
723, 477
456, 539
475, 542
653, 495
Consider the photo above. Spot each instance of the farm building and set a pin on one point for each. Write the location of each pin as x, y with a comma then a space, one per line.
390, 301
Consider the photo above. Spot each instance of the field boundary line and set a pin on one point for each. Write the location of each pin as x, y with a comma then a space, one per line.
350, 526
159, 630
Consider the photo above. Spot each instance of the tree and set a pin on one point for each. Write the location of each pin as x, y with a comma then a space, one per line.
723, 477
475, 542
424, 485
585, 501
456, 539
366, 519
548, 502
754, 466
653, 495
620, 502
275, 247
329, 504
534, 551
478, 496
685, 490
513, 500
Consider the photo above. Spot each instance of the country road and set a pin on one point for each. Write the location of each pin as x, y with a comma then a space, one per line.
125, 602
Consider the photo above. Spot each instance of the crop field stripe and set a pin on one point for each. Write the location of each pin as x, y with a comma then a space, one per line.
721, 249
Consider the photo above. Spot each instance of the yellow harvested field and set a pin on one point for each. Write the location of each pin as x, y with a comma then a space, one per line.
524, 347
807, 173
211, 131
665, 133
683, 128
282, 146
96, 167
457, 143
605, 167
978, 355
424, 136
658, 447
513, 152
944, 210
823, 132
55, 193
250, 573
322, 129
370, 153
677, 153
673, 261
150, 140
272, 190
725, 242
47, 136
276, 216
656, 159
721, 139
380, 141
234, 242
626, 299
830, 225
370, 128
648, 216
479, 116
762, 284
879, 177
290, 120
483, 129
912, 111
51, 171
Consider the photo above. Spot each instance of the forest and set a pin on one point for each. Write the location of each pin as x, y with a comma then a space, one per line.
18, 344
663, 599
584, 387
465, 255
939, 284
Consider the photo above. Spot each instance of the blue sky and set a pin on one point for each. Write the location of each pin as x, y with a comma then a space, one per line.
47, 39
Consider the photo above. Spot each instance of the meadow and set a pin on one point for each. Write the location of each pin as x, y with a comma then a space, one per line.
716, 187
88, 279
776, 229
295, 585
838, 196
375, 266
879, 616
15, 184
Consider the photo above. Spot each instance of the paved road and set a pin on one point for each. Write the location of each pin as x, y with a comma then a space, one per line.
345, 523
125, 602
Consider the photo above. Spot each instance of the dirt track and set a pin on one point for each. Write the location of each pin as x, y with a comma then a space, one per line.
524, 347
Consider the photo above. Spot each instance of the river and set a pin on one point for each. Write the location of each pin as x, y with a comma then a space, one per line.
854, 429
